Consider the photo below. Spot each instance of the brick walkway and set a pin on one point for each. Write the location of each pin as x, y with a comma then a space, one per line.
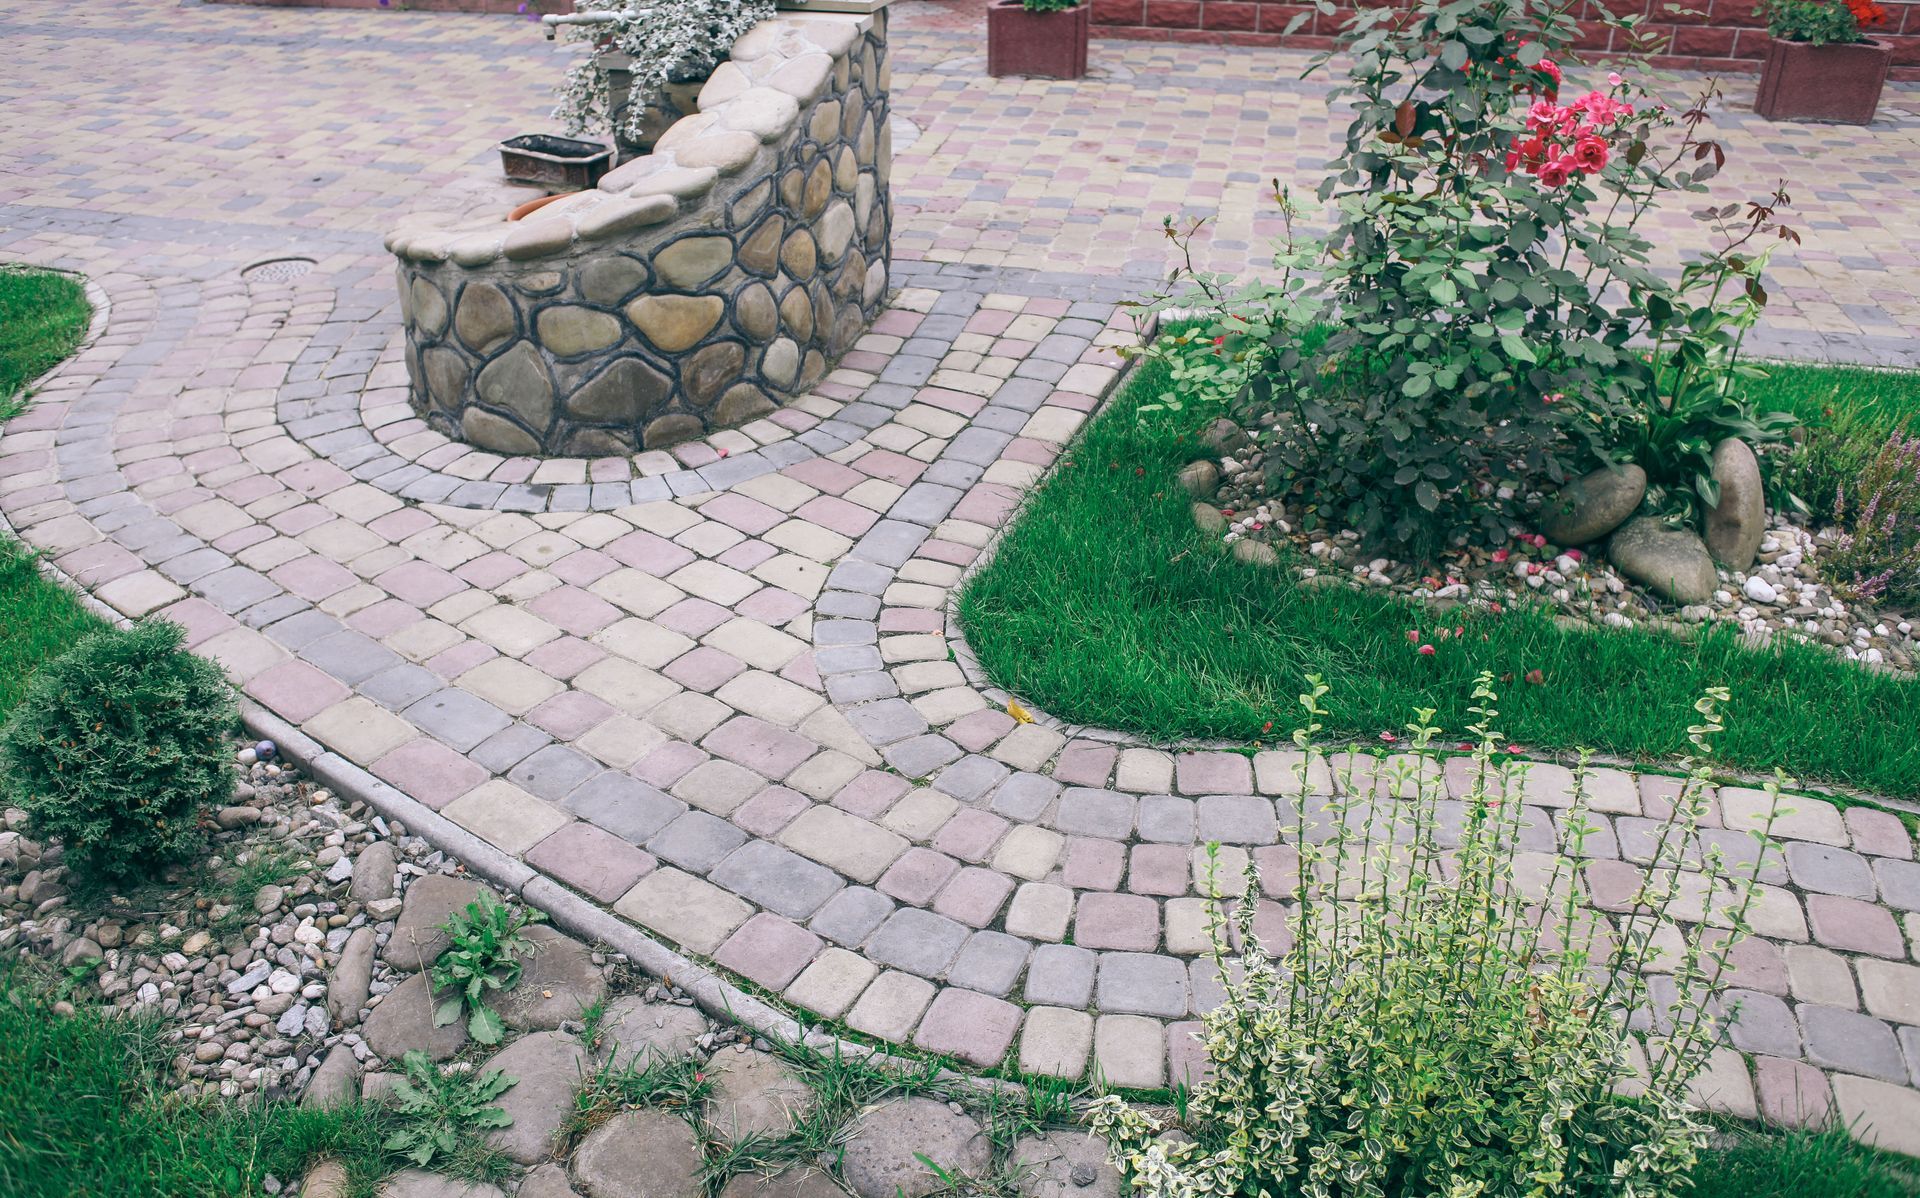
718, 691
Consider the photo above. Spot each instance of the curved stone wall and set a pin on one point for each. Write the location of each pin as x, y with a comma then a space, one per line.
697, 287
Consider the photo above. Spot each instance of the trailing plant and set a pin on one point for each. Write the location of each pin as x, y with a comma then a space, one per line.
1818, 22
444, 1110
118, 747
1877, 555
665, 41
487, 952
1049, 5
1446, 1015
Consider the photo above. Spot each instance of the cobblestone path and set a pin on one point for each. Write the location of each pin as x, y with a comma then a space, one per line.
718, 690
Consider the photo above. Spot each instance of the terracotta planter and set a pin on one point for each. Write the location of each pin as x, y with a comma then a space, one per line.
1839, 83
1051, 45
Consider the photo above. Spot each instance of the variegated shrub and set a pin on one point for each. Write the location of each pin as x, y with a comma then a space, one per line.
1450, 1015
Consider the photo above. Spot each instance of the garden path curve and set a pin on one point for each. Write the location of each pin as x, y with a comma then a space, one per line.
720, 693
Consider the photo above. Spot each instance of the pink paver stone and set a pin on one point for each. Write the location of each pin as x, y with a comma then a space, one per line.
1085, 763
1094, 864
571, 609
565, 657
703, 668
871, 794
1792, 1093
1213, 774
971, 834
759, 746
570, 715
1159, 869
770, 810
1129, 922
1854, 926
968, 1025
917, 876
770, 950
592, 860
429, 771
975, 896
296, 691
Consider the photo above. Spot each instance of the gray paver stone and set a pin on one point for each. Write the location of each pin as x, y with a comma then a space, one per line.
634, 1032
560, 981
1142, 984
881, 1157
1065, 1164
638, 1154
754, 1093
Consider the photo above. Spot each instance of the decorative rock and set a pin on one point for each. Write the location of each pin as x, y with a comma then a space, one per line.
754, 1093
790, 1183
639, 1154
1671, 562
781, 363
676, 322
549, 1067
624, 393
403, 1020
1593, 505
484, 430
1255, 553
1200, 479
1064, 1164
620, 213
693, 261
547, 1181
537, 238
707, 373
484, 317
347, 985
417, 939
1226, 438
559, 982
610, 280
671, 429
327, 1179
517, 381
1209, 519
336, 1082
267, 899
881, 1156
754, 311
373, 873
1736, 527
634, 1033
80, 952
568, 330
416, 1183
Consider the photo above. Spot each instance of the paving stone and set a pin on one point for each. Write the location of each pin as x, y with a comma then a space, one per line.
789, 1183
1056, 1042
1123, 921
882, 1156
891, 1006
1891, 991
1829, 870
777, 879
1083, 811
1840, 1039
916, 941
754, 1094
769, 950
696, 841
1040, 911
693, 913
550, 1067
638, 1154
417, 1183
989, 962
635, 1033
559, 982
418, 939
1853, 926
1142, 984
1129, 1050
1882, 1115
830, 985
852, 915
1763, 1024
1792, 1093
1899, 883
1064, 1164
626, 807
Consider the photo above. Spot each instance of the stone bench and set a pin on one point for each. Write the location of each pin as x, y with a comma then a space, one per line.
695, 288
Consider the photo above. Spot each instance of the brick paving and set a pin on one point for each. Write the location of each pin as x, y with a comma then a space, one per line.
719, 691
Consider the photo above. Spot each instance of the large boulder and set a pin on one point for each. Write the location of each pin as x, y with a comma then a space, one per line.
1593, 505
1671, 562
1736, 527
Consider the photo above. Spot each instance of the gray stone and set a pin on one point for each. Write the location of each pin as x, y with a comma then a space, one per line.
336, 1082
1064, 1163
1200, 479
549, 1067
327, 1179
676, 322
547, 1181
1209, 519
612, 279
517, 382
403, 1021
1851, 1042
756, 313
569, 330
417, 1183
835, 232
559, 982
1736, 526
881, 1158
1223, 436
917, 941
627, 392
485, 430
754, 1094
428, 307
81, 951
635, 1033
692, 261
1061, 976
1671, 562
373, 873
712, 370
1142, 984
1593, 505
484, 318
781, 363
639, 1154
347, 985
790, 1183
671, 429
418, 938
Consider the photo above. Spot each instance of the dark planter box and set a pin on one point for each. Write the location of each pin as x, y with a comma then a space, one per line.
1052, 45
1839, 83
562, 163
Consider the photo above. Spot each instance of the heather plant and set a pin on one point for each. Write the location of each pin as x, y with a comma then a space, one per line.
1446, 1015
669, 40
1877, 554
119, 747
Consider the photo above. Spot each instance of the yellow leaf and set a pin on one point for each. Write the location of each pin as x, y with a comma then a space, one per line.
1019, 713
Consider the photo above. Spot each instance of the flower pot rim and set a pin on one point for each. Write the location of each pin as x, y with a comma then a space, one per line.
1865, 41
1021, 4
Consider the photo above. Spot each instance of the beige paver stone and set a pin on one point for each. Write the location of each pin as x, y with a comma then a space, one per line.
769, 697
510, 629
808, 540
1186, 920
1029, 852
621, 741
1724, 1086
1800, 817
513, 686
832, 982
423, 639
693, 913
756, 644
506, 816
1885, 1116
824, 774
1890, 991
637, 592
642, 641
1819, 975
943, 707
891, 1006
714, 582
920, 813
1028, 747
1055, 1042
1144, 771
242, 652
847, 843
633, 689
830, 730
1130, 1050
791, 572
919, 677
1040, 911
718, 786
134, 595
359, 730
689, 715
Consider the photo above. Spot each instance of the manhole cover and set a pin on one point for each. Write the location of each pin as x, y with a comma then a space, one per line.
277, 270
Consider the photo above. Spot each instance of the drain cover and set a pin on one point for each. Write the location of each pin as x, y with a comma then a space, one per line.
277, 270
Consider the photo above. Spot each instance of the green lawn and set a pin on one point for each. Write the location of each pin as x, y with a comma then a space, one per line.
42, 621
43, 315
1847, 413
85, 1113
1103, 605
1803, 1164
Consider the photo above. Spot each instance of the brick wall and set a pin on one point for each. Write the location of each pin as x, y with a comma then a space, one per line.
1724, 35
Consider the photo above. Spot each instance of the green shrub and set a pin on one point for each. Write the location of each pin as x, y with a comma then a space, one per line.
1449, 1017
118, 747
1877, 555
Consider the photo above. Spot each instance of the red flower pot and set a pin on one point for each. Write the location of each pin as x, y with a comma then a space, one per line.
1049, 44
1835, 82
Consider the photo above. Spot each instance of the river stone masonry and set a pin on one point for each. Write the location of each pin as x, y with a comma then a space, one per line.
697, 287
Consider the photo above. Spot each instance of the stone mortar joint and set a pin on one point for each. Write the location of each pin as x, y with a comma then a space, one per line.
697, 287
